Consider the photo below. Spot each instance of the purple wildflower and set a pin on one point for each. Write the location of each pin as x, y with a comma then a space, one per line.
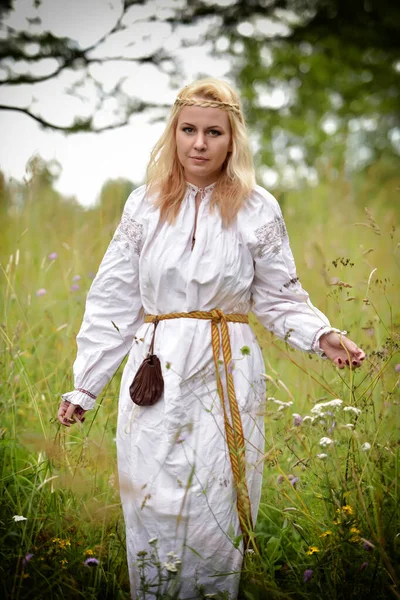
41, 292
91, 562
397, 368
74, 287
53, 256
297, 420
367, 546
294, 480
364, 566
307, 575
76, 278
27, 558
91, 275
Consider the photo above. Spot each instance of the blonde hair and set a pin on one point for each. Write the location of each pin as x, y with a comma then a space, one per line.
165, 175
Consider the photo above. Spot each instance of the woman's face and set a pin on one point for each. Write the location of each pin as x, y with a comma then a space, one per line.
203, 140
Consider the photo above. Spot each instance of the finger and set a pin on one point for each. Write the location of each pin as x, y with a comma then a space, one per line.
69, 418
62, 410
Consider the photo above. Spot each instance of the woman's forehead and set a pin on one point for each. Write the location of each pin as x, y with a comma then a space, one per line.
204, 116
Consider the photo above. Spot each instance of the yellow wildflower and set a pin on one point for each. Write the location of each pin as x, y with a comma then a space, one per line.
354, 530
312, 550
325, 533
89, 552
348, 509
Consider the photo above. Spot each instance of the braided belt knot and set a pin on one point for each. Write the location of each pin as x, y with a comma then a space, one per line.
232, 420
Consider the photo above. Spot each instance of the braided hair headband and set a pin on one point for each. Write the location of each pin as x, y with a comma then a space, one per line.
235, 108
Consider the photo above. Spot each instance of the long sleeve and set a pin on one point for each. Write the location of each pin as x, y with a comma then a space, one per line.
113, 310
279, 301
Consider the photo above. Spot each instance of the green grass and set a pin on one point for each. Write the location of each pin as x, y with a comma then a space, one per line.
340, 519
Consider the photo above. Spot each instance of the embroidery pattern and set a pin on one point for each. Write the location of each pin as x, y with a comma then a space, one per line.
243, 307
269, 236
130, 233
86, 392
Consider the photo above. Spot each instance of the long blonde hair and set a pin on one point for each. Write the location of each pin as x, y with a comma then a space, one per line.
165, 175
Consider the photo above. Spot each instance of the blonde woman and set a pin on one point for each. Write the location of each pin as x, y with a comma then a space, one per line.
199, 246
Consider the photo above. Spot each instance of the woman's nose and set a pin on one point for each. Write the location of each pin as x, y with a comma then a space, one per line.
200, 142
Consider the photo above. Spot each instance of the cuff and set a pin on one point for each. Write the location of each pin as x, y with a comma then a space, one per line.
80, 397
315, 347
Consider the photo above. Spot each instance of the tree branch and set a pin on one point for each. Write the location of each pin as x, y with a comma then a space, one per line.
84, 125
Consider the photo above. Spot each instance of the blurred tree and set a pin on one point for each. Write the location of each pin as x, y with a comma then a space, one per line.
317, 76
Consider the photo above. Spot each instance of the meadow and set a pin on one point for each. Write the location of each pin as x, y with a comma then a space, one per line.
328, 525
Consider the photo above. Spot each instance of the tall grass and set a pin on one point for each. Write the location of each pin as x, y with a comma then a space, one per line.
328, 526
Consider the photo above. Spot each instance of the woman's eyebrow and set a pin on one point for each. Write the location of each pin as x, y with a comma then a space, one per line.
208, 126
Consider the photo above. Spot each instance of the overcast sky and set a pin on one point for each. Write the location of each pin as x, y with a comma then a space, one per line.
88, 160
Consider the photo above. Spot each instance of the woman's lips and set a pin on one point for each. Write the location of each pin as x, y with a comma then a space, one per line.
199, 159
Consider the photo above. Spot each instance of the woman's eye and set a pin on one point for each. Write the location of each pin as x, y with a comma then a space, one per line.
187, 129
214, 132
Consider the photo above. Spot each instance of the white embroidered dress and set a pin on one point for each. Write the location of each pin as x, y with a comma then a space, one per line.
174, 468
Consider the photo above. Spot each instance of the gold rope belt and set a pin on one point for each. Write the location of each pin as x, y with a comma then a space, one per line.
233, 425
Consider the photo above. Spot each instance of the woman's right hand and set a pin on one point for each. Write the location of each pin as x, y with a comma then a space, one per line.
68, 413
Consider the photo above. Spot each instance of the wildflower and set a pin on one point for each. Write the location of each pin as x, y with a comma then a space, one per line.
249, 551
280, 479
348, 509
325, 534
368, 546
41, 292
74, 287
63, 562
282, 405
364, 566
53, 256
294, 481
307, 575
89, 552
366, 446
19, 518
91, 562
356, 411
325, 441
297, 420
27, 558
312, 550
171, 567
354, 530
349, 425
153, 540
76, 278
397, 368
322, 456
317, 408
91, 275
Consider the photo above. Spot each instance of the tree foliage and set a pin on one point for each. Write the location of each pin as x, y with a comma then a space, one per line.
316, 76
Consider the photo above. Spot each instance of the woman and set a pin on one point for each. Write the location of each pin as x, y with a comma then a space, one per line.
200, 236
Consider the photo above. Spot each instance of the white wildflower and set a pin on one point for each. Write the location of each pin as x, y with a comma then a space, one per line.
330, 404
325, 441
249, 551
281, 405
172, 555
19, 518
349, 425
171, 567
366, 446
308, 418
353, 409
153, 540
322, 456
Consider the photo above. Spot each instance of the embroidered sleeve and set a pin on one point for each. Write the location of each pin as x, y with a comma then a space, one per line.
269, 237
130, 233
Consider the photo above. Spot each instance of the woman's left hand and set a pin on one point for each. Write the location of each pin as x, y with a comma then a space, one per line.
68, 413
341, 351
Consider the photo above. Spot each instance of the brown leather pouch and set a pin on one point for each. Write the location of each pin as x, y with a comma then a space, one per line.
148, 384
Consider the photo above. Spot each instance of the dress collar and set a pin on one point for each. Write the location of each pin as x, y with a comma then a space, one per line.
203, 190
